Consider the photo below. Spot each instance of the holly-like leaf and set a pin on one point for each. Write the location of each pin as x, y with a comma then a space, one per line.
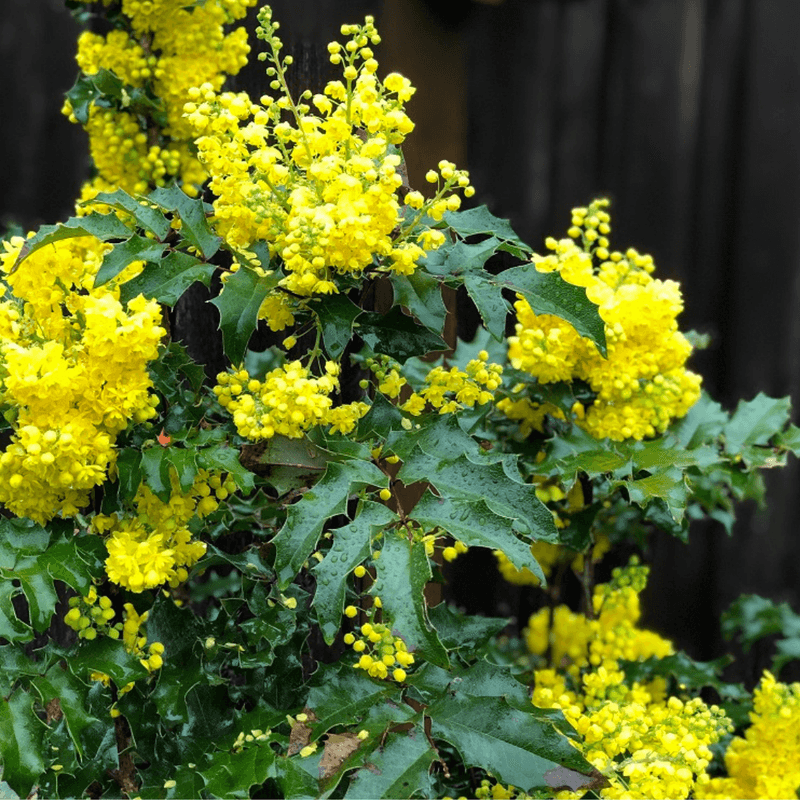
136, 248
29, 559
108, 656
403, 571
399, 768
238, 304
88, 88
21, 734
306, 518
345, 696
147, 217
226, 459
396, 335
462, 479
192, 212
472, 522
480, 220
106, 227
668, 485
463, 259
336, 314
465, 633
234, 774
489, 300
421, 294
517, 747
549, 293
166, 280
755, 423
351, 546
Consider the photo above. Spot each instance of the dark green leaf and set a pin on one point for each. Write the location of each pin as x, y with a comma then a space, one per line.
21, 746
421, 294
305, 519
549, 293
336, 313
194, 224
481, 221
463, 259
225, 458
137, 248
397, 335
89, 88
151, 219
466, 633
108, 656
238, 304
402, 573
491, 305
462, 479
344, 696
399, 768
155, 465
351, 546
520, 748
380, 420
166, 280
105, 227
11, 627
667, 484
472, 522
233, 774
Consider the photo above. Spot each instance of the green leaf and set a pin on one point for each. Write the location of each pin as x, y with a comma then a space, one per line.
306, 518
105, 227
136, 248
238, 304
703, 423
549, 293
155, 465
351, 546
402, 571
88, 88
491, 305
481, 221
167, 279
294, 777
397, 335
755, 423
336, 314
520, 748
464, 633
108, 656
667, 484
225, 458
194, 224
21, 733
151, 219
345, 696
233, 774
382, 418
399, 768
472, 522
462, 479
421, 294
27, 557
59, 684
463, 259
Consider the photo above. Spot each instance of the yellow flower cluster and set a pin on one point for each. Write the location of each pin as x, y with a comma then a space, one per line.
154, 545
646, 744
379, 651
766, 762
643, 384
93, 613
73, 365
451, 390
288, 401
576, 642
320, 180
166, 46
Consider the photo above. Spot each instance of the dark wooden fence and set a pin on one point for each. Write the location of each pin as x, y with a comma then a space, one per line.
685, 112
